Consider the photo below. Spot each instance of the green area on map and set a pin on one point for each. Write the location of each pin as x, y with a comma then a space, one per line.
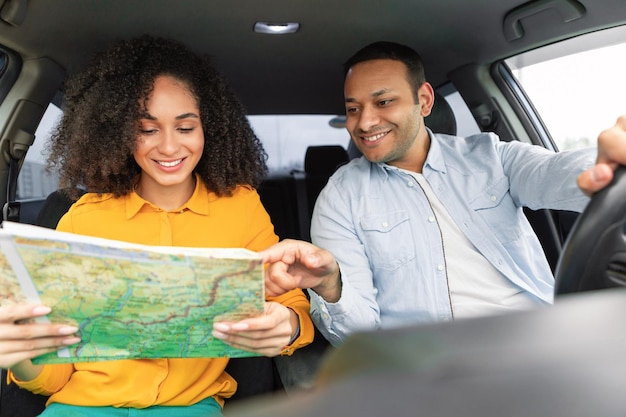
136, 304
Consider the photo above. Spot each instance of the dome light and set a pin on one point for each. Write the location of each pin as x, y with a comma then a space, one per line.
276, 28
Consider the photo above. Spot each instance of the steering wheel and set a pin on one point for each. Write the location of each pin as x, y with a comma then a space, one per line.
594, 254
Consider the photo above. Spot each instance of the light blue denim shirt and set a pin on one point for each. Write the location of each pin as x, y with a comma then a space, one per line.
379, 225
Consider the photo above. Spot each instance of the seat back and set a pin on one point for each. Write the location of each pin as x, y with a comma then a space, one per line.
279, 197
320, 162
17, 402
441, 118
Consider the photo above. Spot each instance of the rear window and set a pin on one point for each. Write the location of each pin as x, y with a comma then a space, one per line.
286, 137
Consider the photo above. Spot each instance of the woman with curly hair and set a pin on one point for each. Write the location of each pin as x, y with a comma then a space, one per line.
165, 152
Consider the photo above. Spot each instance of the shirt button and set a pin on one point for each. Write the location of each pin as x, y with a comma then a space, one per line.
385, 224
494, 198
439, 267
431, 219
410, 183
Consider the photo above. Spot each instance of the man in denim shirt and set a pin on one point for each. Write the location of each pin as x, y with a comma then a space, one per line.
425, 227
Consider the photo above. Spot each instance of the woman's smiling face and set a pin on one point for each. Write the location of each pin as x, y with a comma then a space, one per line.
170, 140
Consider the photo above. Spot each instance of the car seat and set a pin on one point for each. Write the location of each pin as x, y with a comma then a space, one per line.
320, 162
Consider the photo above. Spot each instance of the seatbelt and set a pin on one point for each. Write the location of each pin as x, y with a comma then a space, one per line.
304, 222
18, 146
11, 209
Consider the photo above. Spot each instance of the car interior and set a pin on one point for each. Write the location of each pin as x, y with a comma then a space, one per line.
467, 48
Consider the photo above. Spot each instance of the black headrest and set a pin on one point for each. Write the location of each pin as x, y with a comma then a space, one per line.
441, 118
324, 160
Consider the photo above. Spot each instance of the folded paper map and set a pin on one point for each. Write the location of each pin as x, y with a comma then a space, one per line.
128, 300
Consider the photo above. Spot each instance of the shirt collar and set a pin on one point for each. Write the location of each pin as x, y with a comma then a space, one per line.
434, 159
198, 203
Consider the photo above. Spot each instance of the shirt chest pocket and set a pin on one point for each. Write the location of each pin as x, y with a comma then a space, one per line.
496, 207
388, 239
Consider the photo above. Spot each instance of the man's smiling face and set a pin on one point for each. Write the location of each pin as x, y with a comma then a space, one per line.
382, 116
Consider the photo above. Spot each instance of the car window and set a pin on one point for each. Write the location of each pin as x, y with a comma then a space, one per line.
33, 180
577, 86
286, 137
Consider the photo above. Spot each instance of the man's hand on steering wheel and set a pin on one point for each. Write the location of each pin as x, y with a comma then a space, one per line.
611, 153
594, 254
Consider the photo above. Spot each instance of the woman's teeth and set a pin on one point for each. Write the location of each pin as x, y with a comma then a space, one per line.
170, 163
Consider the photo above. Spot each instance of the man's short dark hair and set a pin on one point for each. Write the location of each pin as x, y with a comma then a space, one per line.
394, 51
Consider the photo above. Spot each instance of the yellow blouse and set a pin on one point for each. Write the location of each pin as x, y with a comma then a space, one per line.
206, 220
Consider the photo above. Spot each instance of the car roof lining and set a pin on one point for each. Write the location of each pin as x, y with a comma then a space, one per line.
303, 83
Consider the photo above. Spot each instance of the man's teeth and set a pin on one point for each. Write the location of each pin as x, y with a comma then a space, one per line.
170, 163
375, 137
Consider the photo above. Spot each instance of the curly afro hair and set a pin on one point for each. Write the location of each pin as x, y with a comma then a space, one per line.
93, 144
